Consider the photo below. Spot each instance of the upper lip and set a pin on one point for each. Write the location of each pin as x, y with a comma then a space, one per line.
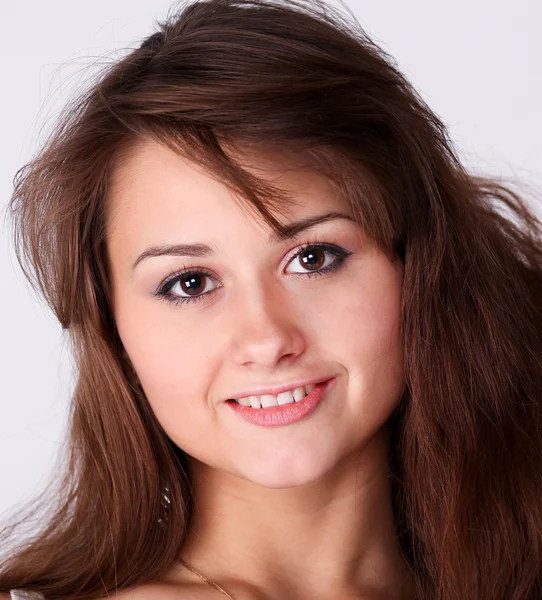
273, 391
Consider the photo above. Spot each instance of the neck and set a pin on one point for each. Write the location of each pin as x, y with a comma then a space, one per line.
334, 537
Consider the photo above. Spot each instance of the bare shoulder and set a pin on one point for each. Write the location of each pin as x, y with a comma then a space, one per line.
156, 591
163, 591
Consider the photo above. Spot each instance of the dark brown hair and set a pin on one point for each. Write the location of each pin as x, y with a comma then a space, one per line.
223, 77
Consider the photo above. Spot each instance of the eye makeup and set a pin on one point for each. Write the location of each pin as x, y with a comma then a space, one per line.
163, 292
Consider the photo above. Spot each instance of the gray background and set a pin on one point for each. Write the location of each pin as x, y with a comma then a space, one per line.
477, 63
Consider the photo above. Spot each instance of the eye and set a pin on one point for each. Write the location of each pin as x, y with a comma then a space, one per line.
313, 258
194, 282
191, 282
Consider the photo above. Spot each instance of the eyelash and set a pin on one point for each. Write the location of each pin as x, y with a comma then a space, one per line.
163, 292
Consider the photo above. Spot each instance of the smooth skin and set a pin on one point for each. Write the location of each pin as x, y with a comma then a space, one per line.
302, 511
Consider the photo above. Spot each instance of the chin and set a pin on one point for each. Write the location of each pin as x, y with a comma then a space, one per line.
285, 472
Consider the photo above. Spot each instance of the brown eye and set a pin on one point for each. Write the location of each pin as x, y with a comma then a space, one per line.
193, 283
312, 258
187, 286
319, 259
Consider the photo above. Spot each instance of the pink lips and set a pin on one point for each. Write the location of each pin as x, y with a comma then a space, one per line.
275, 416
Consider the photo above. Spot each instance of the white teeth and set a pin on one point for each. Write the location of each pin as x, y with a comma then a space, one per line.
286, 398
299, 394
268, 400
254, 401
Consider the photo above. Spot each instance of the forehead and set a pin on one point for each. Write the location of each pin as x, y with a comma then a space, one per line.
151, 184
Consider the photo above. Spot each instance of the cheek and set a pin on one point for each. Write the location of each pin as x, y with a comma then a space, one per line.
363, 333
171, 364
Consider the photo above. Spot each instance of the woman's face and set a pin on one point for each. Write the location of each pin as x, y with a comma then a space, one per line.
252, 314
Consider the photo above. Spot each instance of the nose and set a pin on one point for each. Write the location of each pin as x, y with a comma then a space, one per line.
266, 330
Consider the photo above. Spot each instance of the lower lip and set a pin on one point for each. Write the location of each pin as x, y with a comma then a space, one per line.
275, 416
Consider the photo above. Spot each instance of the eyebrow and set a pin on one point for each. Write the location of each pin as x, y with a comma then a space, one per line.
200, 250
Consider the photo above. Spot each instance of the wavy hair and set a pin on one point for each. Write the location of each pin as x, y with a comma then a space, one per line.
220, 77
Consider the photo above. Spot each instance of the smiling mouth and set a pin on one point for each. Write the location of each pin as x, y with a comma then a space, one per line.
274, 401
268, 400
276, 415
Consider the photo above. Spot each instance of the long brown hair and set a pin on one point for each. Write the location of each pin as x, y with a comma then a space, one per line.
220, 77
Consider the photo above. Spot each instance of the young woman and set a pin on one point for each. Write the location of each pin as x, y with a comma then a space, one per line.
309, 342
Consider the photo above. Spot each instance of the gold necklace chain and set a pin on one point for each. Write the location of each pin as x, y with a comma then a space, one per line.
211, 583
